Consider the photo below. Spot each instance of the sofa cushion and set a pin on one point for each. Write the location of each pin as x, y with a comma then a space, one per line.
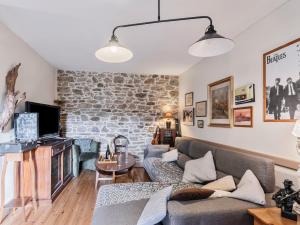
182, 159
188, 194
182, 144
87, 155
200, 170
199, 149
170, 156
160, 171
225, 184
225, 211
236, 164
156, 208
126, 213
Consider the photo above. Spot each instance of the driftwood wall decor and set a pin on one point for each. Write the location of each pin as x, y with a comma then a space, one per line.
12, 98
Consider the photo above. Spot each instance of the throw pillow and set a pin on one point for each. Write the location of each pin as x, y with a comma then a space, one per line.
249, 189
200, 170
170, 156
182, 159
156, 208
188, 194
224, 184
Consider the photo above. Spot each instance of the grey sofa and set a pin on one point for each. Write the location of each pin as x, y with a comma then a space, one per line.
222, 211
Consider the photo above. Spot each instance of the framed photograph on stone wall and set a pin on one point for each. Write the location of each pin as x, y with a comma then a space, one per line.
188, 116
189, 99
201, 109
243, 117
220, 100
281, 74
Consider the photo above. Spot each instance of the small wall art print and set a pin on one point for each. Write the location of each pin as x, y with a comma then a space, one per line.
281, 74
244, 94
200, 123
189, 99
201, 109
188, 116
243, 117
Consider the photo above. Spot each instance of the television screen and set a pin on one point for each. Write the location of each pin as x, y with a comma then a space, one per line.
49, 117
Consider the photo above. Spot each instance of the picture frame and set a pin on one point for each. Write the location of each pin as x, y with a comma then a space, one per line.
189, 99
220, 101
243, 117
201, 109
244, 94
281, 83
200, 123
188, 116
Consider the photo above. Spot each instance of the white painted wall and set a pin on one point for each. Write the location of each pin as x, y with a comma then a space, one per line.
245, 64
36, 78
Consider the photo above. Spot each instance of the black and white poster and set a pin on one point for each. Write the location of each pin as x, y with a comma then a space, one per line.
282, 83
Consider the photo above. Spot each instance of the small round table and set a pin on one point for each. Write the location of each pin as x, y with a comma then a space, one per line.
113, 170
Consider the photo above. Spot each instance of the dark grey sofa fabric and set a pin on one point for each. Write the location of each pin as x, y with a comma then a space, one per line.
221, 211
121, 214
231, 163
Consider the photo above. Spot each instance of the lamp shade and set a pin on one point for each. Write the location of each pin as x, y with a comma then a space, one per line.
211, 44
113, 52
168, 115
296, 130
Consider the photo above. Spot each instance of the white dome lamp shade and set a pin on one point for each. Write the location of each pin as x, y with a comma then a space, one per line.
113, 52
211, 44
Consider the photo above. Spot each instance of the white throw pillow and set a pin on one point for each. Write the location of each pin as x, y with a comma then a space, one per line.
224, 184
200, 170
249, 189
170, 156
156, 208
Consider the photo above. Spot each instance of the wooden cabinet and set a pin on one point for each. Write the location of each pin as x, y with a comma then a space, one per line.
53, 169
167, 136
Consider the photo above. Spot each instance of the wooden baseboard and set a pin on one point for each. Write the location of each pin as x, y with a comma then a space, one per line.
291, 164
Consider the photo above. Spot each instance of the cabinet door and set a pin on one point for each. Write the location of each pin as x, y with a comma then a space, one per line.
67, 163
56, 173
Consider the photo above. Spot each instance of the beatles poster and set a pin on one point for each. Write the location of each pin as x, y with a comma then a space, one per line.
282, 83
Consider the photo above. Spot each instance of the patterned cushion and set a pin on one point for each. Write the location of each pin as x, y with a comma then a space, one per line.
159, 171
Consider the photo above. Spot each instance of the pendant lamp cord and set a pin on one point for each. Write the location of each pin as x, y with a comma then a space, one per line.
161, 21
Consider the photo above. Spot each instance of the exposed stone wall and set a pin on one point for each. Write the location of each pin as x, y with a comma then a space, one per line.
101, 105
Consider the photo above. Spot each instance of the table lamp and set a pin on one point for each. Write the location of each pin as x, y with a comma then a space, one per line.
168, 116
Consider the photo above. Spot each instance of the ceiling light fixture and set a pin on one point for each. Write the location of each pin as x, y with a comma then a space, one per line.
211, 44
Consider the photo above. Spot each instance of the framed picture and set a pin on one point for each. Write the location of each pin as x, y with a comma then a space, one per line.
189, 99
200, 123
201, 109
244, 94
220, 98
188, 116
281, 74
243, 117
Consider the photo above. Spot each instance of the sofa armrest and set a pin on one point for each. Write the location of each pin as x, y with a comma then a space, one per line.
155, 150
95, 146
75, 155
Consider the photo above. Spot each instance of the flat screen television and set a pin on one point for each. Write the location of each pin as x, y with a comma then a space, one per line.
48, 118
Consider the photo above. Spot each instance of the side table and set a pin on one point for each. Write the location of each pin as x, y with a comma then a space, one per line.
269, 216
19, 159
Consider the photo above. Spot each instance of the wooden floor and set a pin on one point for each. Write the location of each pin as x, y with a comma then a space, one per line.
74, 206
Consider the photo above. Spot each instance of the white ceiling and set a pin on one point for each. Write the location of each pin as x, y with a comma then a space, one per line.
67, 32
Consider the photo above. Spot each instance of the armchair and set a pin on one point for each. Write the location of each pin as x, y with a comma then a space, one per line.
85, 152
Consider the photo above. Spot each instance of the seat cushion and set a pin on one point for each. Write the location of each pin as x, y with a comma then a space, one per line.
87, 155
209, 211
126, 213
160, 171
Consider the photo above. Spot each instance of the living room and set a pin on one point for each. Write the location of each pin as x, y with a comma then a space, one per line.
149, 112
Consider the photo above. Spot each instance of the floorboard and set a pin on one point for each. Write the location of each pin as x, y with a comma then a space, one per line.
74, 206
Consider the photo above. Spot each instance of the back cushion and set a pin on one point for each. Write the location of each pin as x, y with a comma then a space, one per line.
199, 149
236, 164
182, 144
